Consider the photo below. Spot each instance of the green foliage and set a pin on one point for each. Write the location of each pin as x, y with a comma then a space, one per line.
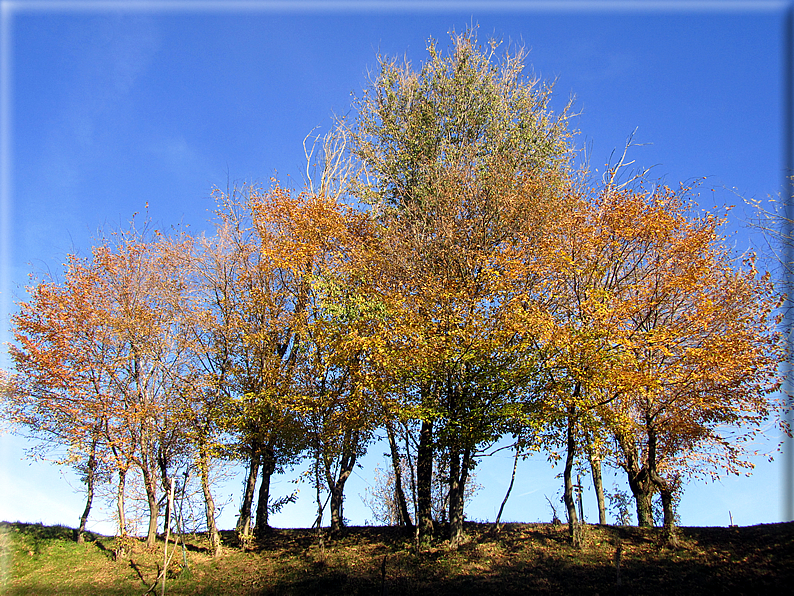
342, 302
469, 110
620, 506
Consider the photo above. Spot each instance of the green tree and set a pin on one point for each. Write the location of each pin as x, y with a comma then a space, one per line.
462, 162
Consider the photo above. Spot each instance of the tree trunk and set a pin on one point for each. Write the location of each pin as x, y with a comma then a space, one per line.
122, 466
665, 490
453, 494
669, 510
337, 488
669, 515
424, 480
639, 481
209, 502
411, 469
574, 530
459, 474
642, 489
668, 506
120, 505
154, 509
268, 462
598, 485
402, 505
244, 520
90, 480
509, 488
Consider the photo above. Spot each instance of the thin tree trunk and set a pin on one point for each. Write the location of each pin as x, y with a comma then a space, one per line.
244, 519
146, 440
337, 488
668, 507
318, 485
122, 467
570, 505
209, 502
509, 488
411, 468
598, 485
402, 505
268, 462
169, 487
120, 504
665, 490
671, 536
424, 479
167, 483
90, 480
453, 494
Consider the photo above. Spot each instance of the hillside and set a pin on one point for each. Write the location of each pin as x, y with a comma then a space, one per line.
522, 558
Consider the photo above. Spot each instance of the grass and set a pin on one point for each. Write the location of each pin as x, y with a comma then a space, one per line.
521, 559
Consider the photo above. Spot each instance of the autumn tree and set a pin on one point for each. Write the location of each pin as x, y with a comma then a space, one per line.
463, 161
661, 340
335, 406
69, 353
138, 282
201, 377
315, 240
591, 258
57, 396
100, 353
255, 311
702, 353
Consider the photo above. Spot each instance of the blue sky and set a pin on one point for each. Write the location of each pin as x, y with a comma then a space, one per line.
109, 106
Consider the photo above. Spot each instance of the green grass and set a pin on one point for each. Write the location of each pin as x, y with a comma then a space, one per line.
522, 558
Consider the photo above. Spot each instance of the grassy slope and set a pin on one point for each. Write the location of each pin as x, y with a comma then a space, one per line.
523, 558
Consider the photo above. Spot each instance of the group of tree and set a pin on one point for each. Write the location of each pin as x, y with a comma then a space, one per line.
450, 278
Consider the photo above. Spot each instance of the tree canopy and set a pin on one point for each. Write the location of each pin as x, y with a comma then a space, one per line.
452, 279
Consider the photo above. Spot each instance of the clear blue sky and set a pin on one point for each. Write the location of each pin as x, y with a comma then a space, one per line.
110, 106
